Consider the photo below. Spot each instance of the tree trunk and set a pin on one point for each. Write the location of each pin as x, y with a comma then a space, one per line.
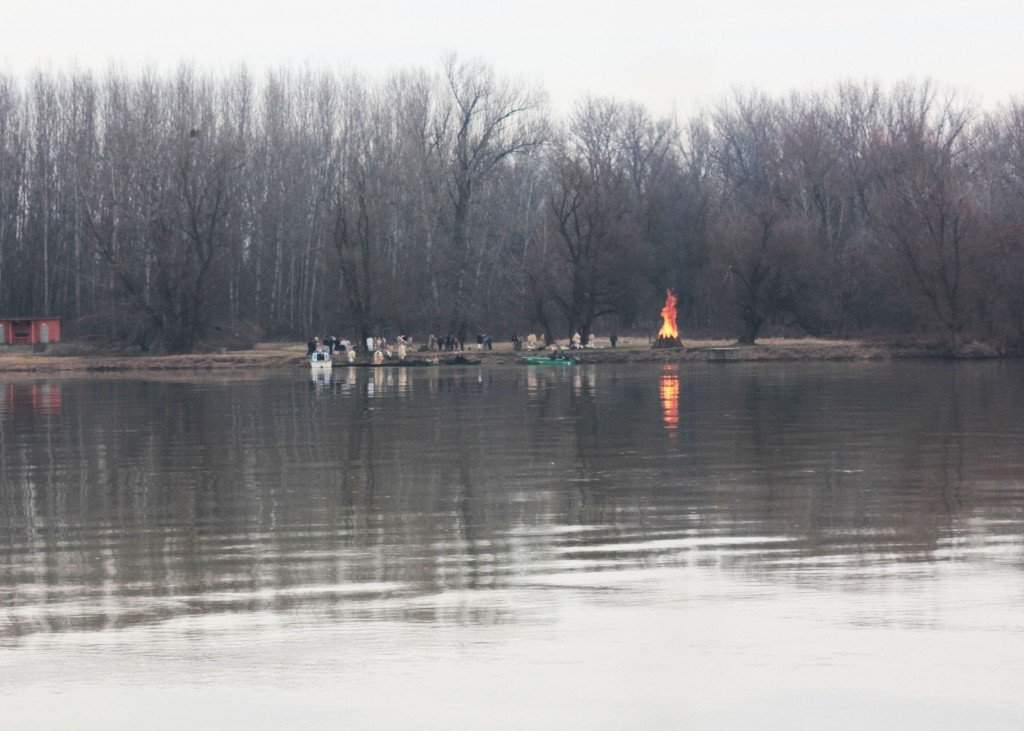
751, 327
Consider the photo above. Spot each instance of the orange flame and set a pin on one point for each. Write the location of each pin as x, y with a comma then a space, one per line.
668, 317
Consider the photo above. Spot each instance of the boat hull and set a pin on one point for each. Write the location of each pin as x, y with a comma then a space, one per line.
320, 362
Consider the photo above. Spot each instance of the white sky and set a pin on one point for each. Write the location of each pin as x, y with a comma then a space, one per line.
669, 55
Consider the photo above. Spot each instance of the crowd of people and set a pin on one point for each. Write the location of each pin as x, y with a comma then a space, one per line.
530, 342
540, 342
446, 343
380, 349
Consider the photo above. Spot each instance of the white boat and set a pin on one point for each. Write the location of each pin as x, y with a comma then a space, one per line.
320, 360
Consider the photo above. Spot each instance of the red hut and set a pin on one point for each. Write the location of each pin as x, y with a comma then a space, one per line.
29, 330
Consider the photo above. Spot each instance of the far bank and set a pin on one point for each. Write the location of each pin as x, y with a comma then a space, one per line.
267, 356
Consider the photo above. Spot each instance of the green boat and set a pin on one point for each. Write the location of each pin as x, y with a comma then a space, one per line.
545, 360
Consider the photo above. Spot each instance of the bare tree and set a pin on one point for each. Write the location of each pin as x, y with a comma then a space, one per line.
164, 209
12, 188
594, 205
1004, 135
924, 207
749, 158
484, 122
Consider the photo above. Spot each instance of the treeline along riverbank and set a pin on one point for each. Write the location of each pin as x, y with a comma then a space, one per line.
172, 211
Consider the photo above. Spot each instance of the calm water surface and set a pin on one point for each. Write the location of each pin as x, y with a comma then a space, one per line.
731, 547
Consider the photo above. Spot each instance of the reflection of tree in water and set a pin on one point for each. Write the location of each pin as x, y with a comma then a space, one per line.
140, 502
863, 467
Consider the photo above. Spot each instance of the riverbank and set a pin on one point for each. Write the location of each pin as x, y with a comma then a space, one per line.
268, 356
639, 350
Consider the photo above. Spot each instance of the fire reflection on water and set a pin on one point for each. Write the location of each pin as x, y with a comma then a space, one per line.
669, 389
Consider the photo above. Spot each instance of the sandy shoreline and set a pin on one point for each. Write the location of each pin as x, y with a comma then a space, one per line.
287, 355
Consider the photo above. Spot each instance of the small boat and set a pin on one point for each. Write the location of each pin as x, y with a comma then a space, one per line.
547, 360
320, 360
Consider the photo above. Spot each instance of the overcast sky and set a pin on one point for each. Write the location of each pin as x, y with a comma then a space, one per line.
669, 55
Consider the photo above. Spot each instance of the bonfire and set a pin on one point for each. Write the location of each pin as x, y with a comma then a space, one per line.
668, 335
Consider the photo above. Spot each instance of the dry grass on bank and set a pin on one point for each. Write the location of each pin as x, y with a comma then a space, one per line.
275, 355
262, 358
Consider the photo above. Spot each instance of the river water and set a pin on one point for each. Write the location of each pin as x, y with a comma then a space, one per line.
823, 546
